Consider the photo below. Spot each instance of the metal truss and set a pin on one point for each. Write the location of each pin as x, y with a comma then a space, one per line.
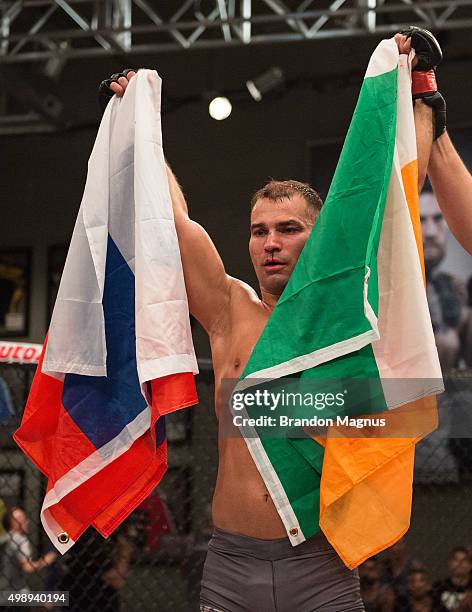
54, 32
61, 30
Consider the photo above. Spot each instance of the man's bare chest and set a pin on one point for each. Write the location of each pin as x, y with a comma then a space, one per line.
232, 351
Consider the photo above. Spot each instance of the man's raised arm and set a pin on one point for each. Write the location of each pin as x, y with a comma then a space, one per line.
450, 179
422, 111
452, 186
208, 286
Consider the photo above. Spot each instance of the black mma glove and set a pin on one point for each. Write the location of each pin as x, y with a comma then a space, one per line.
105, 94
427, 49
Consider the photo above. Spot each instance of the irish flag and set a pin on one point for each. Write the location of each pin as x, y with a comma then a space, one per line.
355, 308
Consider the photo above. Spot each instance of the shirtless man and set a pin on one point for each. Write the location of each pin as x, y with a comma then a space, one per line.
251, 564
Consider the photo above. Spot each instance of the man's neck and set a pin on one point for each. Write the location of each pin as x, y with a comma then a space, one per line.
18, 531
421, 598
460, 581
431, 272
269, 300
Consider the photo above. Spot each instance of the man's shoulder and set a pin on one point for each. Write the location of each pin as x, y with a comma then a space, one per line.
243, 297
241, 290
245, 309
443, 584
17, 538
19, 545
447, 280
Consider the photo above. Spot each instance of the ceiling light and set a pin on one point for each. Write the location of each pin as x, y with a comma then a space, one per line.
267, 81
220, 108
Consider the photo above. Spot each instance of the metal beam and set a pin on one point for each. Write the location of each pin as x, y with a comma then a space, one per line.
154, 17
223, 11
246, 10
369, 19
81, 22
34, 29
323, 19
7, 16
122, 19
280, 9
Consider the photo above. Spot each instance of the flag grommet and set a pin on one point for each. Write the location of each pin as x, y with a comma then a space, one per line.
63, 538
293, 531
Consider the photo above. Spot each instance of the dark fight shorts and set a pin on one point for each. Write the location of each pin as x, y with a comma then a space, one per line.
244, 573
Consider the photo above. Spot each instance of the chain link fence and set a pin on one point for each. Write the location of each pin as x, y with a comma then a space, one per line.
154, 560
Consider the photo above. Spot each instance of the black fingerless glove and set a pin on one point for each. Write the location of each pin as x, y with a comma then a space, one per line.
105, 94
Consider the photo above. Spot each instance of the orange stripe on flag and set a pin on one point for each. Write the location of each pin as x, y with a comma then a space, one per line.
366, 487
410, 185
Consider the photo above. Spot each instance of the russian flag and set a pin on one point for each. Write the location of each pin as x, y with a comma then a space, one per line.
119, 353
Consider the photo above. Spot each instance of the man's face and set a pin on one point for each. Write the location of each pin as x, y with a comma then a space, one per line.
418, 585
279, 231
459, 565
368, 572
433, 228
19, 521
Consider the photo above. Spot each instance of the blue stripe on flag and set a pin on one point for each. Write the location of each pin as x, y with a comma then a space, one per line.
103, 406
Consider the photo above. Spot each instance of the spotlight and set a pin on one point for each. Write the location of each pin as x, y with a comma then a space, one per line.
272, 78
220, 108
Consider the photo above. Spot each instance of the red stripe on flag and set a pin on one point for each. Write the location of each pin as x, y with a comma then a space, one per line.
47, 434
109, 520
173, 392
169, 393
109, 496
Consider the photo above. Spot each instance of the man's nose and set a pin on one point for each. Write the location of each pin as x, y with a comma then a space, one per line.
429, 228
271, 243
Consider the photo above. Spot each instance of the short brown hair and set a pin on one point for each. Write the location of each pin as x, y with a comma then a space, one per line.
278, 190
7, 519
